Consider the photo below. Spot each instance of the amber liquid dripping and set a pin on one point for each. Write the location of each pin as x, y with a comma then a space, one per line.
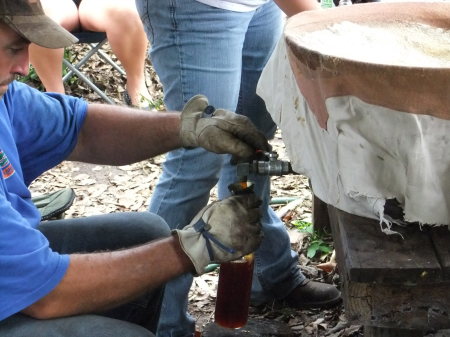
233, 292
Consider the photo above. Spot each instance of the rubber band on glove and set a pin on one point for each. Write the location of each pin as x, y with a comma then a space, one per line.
222, 231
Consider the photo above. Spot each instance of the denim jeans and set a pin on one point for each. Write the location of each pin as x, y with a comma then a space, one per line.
137, 318
198, 49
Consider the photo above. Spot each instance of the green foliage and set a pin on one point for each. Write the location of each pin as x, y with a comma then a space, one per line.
303, 226
33, 79
317, 243
71, 58
32, 75
156, 104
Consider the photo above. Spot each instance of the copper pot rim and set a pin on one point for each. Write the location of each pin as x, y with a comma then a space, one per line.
435, 14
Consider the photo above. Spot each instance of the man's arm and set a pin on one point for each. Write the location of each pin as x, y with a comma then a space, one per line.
292, 7
222, 231
98, 281
116, 135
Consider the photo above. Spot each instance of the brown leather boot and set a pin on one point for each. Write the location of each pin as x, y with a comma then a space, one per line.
314, 295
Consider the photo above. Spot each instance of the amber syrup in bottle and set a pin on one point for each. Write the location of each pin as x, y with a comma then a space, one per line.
233, 292
235, 281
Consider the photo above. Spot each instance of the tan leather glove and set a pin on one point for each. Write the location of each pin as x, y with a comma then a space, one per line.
219, 131
222, 231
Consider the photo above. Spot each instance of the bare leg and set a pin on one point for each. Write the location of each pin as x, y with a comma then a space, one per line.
122, 24
48, 62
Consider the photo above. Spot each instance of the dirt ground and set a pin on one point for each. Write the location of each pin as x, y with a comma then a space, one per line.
103, 189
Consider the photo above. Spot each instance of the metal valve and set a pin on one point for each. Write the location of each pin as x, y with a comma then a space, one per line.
264, 163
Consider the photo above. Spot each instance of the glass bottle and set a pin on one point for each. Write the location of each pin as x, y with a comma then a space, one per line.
233, 292
235, 281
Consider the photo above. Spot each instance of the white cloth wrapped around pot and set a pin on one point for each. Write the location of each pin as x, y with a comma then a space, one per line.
363, 143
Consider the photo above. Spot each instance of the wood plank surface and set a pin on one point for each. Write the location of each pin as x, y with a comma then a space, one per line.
392, 284
366, 254
441, 241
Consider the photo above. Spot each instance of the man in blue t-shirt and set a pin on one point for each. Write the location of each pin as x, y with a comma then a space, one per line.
101, 275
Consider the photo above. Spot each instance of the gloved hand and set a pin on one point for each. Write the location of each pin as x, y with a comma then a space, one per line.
222, 231
219, 131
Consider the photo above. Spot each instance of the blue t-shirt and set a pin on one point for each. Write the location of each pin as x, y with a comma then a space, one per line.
37, 132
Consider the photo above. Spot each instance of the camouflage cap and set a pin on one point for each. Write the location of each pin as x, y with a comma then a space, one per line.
28, 19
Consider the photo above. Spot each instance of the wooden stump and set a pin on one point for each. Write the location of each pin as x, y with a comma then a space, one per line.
394, 285
321, 219
370, 331
254, 328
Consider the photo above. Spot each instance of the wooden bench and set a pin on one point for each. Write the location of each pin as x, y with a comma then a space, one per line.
393, 286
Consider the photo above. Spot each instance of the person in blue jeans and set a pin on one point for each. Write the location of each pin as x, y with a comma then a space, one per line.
219, 48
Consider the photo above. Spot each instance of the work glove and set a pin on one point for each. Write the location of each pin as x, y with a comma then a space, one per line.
222, 231
219, 131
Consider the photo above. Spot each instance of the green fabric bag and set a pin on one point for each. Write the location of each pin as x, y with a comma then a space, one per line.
53, 205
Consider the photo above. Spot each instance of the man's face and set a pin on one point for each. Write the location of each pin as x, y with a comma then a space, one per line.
13, 56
